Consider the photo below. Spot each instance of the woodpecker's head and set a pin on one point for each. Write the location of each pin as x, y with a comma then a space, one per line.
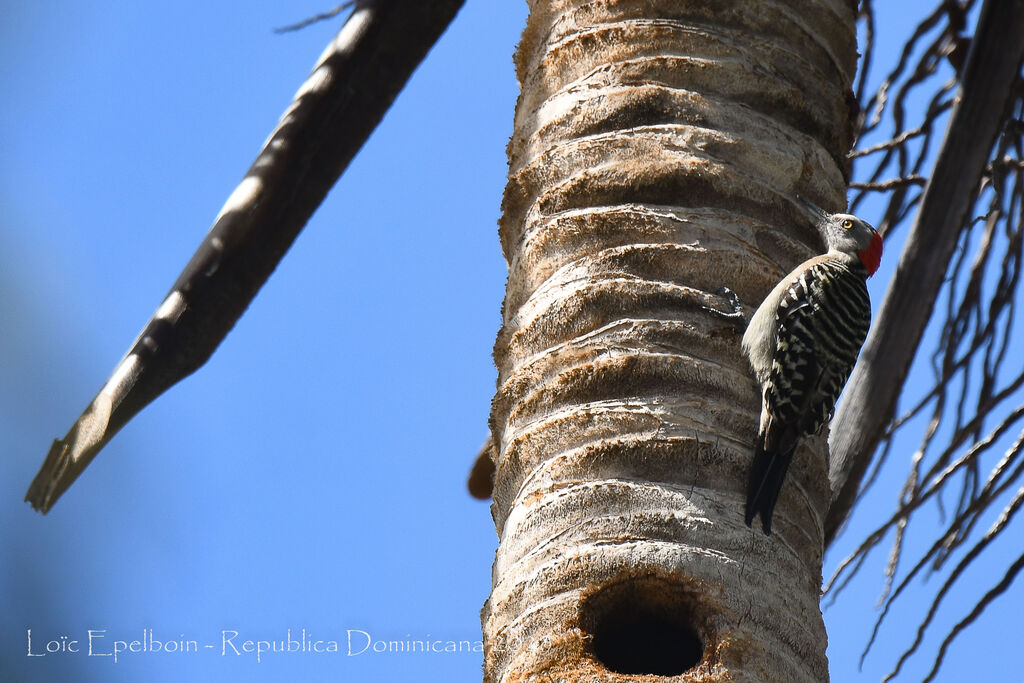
848, 235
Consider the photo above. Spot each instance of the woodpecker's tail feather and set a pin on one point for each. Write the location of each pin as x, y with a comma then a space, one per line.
766, 476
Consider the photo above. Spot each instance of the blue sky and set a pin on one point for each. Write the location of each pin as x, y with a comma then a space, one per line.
311, 475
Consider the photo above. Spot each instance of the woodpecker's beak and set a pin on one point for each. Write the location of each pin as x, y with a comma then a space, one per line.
819, 213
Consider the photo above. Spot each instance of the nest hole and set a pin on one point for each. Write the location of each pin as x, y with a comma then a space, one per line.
644, 626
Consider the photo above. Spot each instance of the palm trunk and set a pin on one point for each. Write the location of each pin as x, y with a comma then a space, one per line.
657, 151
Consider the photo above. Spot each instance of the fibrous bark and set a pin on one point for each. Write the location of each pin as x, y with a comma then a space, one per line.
657, 152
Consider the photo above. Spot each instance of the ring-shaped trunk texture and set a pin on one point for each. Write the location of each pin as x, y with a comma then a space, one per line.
658, 149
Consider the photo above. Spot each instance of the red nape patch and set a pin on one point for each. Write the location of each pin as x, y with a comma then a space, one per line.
872, 256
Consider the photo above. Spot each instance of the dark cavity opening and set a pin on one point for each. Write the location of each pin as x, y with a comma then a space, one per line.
644, 626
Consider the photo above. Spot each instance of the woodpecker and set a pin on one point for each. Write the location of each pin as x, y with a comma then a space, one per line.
802, 343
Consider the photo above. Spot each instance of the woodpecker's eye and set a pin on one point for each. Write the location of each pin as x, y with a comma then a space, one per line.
847, 224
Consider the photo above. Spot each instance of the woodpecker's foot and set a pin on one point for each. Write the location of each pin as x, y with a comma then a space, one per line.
734, 302
735, 312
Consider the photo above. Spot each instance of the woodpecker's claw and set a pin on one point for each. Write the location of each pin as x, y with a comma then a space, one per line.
734, 301
736, 312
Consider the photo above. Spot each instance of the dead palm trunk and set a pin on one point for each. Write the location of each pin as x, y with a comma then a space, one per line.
657, 151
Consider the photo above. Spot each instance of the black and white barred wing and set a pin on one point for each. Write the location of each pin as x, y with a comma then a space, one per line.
822, 323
